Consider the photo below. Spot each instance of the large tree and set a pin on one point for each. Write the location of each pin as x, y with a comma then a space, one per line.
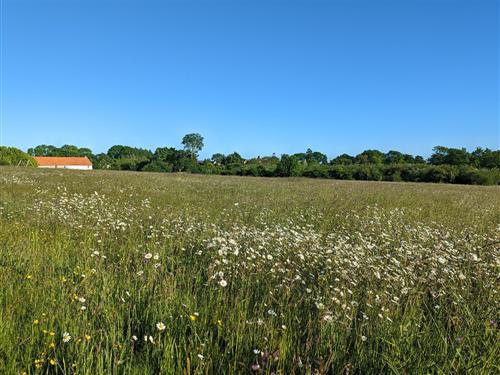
193, 143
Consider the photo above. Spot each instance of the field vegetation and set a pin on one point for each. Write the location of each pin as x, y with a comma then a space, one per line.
135, 273
445, 165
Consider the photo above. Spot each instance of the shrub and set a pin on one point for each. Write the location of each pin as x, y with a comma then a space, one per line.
14, 156
157, 166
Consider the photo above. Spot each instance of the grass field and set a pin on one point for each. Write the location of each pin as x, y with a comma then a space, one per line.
116, 272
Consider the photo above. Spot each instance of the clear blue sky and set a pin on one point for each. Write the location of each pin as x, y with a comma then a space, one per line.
256, 76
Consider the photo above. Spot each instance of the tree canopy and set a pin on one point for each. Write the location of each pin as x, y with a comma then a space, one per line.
456, 165
193, 143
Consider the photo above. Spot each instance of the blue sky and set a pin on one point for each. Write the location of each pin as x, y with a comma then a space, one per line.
253, 76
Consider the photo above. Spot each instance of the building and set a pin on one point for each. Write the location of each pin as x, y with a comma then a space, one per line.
82, 163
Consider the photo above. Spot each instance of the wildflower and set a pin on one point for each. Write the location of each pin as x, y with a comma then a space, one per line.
223, 283
35, 322
148, 256
28, 277
52, 333
52, 345
87, 337
81, 299
364, 338
66, 337
256, 351
134, 337
83, 308
200, 356
53, 362
140, 273
160, 326
192, 317
156, 257
327, 318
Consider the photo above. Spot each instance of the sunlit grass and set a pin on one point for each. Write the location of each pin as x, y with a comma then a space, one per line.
116, 272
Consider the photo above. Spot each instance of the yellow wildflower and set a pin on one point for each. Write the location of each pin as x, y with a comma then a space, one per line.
192, 317
53, 362
35, 322
87, 337
52, 345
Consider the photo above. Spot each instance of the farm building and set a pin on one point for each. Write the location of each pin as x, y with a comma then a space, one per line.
82, 163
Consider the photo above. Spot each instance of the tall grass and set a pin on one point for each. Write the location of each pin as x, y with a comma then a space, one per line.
115, 272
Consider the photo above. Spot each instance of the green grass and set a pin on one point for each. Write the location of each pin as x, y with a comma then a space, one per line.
248, 275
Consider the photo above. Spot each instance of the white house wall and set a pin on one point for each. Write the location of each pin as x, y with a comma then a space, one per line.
79, 167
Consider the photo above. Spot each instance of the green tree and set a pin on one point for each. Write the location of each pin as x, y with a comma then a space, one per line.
233, 158
14, 156
343, 159
193, 143
43, 150
370, 157
315, 157
450, 156
218, 158
394, 157
287, 166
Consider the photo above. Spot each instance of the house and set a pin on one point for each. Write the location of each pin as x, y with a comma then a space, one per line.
82, 163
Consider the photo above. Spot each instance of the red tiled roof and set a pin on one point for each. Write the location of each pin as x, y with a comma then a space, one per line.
57, 160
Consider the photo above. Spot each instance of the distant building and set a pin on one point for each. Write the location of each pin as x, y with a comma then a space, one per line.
82, 163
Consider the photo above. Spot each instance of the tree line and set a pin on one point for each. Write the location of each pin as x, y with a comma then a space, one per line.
449, 165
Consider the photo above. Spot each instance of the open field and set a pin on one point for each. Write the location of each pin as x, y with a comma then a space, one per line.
116, 272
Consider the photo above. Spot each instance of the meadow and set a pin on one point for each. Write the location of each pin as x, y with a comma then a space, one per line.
146, 273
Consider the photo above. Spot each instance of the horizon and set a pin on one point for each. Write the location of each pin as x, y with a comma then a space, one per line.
200, 158
253, 77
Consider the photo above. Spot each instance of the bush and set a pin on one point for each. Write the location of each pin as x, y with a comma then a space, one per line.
157, 166
341, 172
232, 170
473, 176
440, 173
14, 156
316, 171
368, 172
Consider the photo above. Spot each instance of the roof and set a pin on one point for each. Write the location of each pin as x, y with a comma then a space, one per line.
59, 160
